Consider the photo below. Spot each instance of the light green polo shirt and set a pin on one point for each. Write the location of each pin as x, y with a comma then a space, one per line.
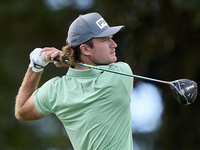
93, 105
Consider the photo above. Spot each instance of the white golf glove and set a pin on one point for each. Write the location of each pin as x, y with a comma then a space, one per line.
37, 63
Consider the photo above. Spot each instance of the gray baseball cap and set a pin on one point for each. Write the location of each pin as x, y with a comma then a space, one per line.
89, 26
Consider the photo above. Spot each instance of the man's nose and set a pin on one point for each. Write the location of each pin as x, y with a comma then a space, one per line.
113, 44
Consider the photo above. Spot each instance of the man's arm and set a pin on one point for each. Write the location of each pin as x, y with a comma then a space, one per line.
25, 109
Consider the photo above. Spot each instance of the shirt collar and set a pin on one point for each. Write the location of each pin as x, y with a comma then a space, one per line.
87, 72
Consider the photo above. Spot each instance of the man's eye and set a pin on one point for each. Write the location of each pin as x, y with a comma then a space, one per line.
105, 40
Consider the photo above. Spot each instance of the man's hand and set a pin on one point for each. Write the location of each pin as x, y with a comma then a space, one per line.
41, 57
36, 60
50, 54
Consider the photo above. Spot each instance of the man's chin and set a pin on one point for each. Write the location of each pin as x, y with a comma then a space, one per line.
115, 59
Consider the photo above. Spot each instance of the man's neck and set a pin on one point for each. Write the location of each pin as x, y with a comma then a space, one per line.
81, 67
85, 61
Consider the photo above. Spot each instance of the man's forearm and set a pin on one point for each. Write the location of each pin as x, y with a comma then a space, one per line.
29, 85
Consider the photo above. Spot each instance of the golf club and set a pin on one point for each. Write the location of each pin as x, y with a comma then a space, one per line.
184, 90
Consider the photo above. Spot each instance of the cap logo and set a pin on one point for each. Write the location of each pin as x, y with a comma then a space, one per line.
101, 23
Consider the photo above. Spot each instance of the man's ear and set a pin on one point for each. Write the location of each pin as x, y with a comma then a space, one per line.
85, 49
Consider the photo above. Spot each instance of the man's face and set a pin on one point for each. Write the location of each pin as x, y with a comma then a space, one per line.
103, 52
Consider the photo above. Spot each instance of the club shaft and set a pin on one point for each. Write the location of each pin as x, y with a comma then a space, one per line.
116, 72
121, 73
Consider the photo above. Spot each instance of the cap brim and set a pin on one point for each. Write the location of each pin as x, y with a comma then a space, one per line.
110, 31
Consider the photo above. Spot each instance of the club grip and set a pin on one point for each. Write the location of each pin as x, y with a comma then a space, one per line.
57, 58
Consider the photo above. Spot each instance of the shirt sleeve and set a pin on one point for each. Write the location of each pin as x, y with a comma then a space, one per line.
45, 96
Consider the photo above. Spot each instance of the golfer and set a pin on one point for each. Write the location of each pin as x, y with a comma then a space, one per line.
93, 105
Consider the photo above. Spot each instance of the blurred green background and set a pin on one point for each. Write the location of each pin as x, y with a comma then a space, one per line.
161, 40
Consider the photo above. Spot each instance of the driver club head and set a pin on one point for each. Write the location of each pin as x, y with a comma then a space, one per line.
184, 90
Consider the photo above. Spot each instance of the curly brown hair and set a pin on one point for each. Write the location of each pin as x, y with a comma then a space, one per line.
73, 55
